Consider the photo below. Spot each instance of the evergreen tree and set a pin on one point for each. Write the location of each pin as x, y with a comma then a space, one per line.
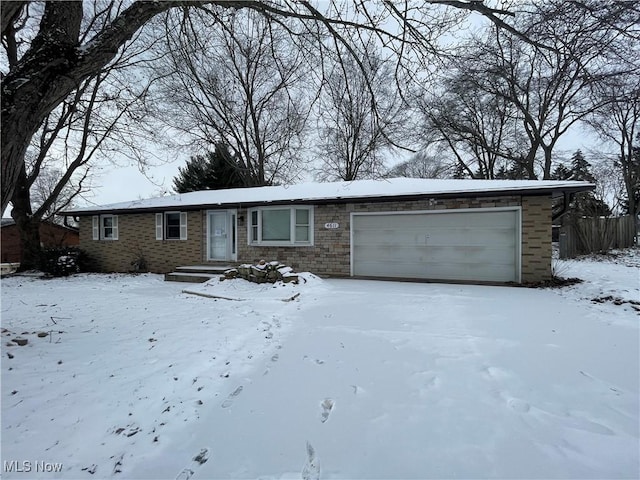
459, 172
213, 171
580, 168
561, 173
585, 204
517, 171
501, 174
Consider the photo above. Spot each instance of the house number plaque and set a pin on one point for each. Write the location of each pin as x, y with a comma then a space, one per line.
331, 226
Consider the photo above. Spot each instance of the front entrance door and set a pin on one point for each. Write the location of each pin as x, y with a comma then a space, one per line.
221, 235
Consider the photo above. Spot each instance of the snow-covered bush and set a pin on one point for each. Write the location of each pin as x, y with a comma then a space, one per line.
61, 262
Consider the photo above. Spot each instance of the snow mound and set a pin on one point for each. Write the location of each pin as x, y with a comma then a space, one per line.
240, 289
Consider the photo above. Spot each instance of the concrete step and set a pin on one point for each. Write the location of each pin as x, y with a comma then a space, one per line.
190, 277
210, 269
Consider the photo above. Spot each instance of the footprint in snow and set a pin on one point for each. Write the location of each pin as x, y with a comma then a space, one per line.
495, 373
189, 471
229, 401
358, 390
327, 405
518, 405
317, 361
311, 469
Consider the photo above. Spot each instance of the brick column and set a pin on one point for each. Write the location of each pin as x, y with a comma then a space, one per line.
536, 239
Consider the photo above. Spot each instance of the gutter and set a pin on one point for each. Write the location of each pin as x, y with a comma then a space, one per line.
341, 200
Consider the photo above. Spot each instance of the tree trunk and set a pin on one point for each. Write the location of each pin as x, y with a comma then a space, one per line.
27, 224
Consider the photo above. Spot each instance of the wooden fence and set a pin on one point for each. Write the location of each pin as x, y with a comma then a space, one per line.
596, 235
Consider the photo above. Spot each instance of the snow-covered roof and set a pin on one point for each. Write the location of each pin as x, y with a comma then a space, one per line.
359, 190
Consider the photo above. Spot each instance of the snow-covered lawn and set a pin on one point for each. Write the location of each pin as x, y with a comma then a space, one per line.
350, 379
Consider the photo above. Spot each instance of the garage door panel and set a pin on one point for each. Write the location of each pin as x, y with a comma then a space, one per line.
474, 246
432, 254
435, 236
439, 271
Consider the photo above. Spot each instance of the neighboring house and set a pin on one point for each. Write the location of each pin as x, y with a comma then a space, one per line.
51, 235
495, 231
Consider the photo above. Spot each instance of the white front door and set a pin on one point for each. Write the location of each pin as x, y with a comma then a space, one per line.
221, 235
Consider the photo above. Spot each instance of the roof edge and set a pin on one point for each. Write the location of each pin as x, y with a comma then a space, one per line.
534, 192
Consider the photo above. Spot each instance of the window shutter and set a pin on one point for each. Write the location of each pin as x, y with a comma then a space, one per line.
96, 227
115, 227
183, 226
158, 226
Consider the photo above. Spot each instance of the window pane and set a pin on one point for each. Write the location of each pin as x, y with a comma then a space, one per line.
107, 227
173, 225
302, 234
254, 226
302, 217
276, 225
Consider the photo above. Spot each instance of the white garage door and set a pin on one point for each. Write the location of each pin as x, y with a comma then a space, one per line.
468, 245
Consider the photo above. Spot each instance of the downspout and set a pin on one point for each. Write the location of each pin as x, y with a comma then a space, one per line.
565, 206
567, 197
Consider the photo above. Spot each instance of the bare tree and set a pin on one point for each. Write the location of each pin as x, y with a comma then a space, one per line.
360, 117
478, 127
93, 123
543, 90
45, 187
422, 165
617, 121
58, 55
234, 78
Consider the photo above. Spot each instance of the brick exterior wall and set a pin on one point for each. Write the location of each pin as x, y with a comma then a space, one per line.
51, 236
330, 254
136, 238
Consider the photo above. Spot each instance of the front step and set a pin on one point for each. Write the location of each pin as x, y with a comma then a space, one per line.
196, 273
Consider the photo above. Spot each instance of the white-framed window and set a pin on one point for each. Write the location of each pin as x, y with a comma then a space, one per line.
280, 226
171, 226
105, 227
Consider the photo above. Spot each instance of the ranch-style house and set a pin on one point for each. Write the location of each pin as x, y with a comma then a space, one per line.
474, 231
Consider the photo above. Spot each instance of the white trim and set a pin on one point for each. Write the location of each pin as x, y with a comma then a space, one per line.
98, 228
292, 226
183, 225
95, 224
518, 229
445, 210
159, 226
231, 223
519, 244
233, 244
165, 225
114, 228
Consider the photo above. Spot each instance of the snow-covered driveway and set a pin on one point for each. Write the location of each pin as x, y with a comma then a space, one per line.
352, 379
